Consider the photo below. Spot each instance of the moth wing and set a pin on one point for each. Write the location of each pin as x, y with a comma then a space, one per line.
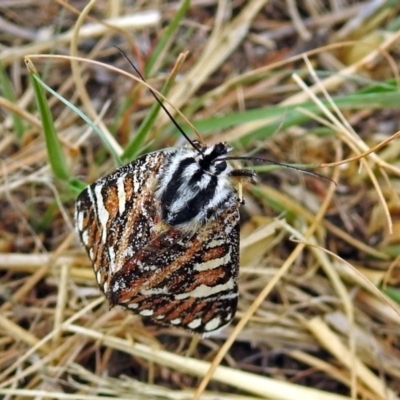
115, 214
185, 279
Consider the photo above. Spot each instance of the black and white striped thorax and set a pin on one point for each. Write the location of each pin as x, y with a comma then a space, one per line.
195, 184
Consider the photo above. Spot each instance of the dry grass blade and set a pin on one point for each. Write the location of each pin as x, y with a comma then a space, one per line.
217, 49
138, 21
261, 386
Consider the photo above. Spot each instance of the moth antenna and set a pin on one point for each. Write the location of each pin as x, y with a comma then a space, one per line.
266, 160
161, 103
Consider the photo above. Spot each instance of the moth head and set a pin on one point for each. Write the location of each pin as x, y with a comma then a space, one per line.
211, 159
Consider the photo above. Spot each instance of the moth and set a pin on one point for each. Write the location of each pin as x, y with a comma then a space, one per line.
162, 233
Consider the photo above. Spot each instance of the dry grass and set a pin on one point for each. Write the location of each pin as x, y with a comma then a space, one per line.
319, 307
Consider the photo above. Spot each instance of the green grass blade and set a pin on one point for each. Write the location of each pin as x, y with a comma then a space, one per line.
9, 94
393, 293
85, 118
286, 116
135, 146
55, 154
166, 38
76, 185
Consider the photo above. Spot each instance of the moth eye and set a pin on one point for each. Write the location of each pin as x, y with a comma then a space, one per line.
220, 148
220, 166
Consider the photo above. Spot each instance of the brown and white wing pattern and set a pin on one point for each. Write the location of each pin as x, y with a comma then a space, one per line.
115, 214
185, 279
163, 235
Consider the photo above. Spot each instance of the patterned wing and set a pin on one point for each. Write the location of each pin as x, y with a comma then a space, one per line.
115, 215
184, 279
